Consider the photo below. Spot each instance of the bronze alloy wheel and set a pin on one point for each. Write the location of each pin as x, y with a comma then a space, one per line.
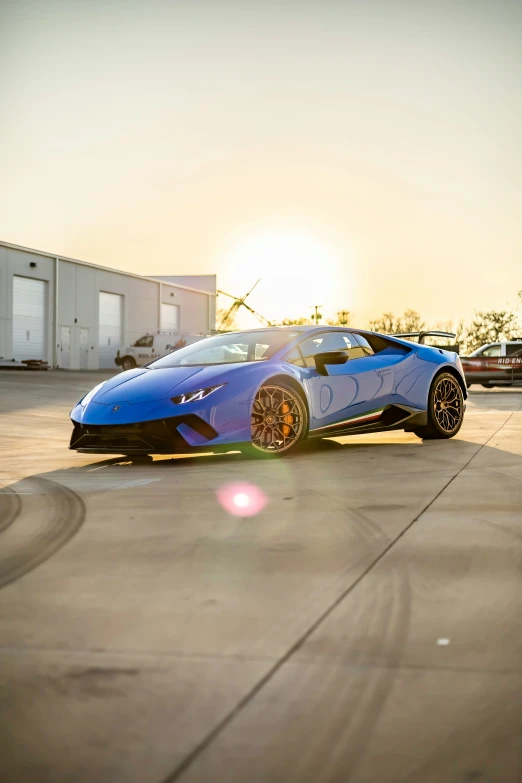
448, 404
445, 412
279, 419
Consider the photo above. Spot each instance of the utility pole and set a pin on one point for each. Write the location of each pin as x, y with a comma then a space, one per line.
317, 314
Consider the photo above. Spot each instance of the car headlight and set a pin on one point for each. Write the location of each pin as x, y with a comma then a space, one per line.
88, 397
200, 394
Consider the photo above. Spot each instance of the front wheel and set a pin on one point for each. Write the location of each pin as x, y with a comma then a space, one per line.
128, 363
279, 420
445, 409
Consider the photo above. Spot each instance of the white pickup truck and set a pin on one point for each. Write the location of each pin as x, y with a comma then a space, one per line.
152, 346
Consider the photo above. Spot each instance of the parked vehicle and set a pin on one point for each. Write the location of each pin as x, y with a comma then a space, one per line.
267, 390
495, 364
153, 346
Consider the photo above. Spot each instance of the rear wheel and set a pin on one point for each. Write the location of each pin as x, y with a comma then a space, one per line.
445, 409
279, 420
128, 363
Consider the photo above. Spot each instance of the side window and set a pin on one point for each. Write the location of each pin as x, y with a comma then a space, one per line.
515, 349
295, 357
354, 347
321, 343
363, 342
493, 350
330, 341
144, 342
260, 350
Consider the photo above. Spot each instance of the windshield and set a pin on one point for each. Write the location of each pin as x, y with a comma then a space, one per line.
228, 349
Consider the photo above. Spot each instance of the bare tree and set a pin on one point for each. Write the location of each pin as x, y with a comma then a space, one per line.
343, 319
410, 321
295, 321
386, 324
443, 326
489, 326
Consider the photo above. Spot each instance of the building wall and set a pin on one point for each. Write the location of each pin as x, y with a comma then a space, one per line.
78, 286
196, 309
78, 306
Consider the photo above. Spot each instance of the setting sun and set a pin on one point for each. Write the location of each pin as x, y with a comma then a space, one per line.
297, 270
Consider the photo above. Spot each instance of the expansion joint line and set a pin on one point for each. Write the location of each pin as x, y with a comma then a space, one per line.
191, 757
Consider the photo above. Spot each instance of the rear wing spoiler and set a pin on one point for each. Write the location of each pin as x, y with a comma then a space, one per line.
421, 336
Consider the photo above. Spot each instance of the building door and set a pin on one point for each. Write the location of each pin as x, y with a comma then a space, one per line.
110, 328
65, 347
29, 318
84, 349
169, 318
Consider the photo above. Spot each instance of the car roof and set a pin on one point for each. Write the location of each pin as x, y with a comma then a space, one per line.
501, 342
299, 328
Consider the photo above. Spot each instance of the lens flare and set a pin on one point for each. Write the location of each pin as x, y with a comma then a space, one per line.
241, 500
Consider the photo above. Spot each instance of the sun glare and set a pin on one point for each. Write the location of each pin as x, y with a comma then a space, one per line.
296, 270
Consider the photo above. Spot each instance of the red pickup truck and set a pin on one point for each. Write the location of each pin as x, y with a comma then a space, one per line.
494, 364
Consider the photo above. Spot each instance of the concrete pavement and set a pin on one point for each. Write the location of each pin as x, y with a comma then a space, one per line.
365, 626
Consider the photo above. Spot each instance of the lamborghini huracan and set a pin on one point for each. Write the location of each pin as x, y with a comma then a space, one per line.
265, 391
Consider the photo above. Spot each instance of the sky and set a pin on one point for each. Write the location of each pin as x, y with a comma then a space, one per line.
363, 156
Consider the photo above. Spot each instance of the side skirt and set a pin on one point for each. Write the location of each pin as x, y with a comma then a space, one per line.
392, 417
186, 452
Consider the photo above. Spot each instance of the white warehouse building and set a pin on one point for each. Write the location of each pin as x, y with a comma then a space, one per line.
76, 315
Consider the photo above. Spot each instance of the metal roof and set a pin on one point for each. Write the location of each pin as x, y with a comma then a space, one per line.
102, 268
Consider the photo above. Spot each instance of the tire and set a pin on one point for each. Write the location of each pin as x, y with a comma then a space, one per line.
487, 385
128, 363
445, 409
279, 420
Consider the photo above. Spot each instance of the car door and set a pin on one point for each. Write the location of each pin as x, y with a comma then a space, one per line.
353, 391
514, 357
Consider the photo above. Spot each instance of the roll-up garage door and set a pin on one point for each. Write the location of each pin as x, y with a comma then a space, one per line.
29, 318
169, 317
110, 328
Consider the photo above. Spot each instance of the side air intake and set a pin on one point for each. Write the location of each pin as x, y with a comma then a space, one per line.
393, 415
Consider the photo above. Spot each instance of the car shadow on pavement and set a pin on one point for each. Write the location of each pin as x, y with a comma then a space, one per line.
40, 513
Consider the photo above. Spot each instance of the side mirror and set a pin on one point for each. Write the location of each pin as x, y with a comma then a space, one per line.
329, 357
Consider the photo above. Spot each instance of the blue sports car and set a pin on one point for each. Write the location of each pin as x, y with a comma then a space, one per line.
267, 390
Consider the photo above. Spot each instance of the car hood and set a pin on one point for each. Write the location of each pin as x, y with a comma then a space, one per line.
142, 385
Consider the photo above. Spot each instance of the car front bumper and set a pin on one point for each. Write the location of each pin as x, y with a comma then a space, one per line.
178, 434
